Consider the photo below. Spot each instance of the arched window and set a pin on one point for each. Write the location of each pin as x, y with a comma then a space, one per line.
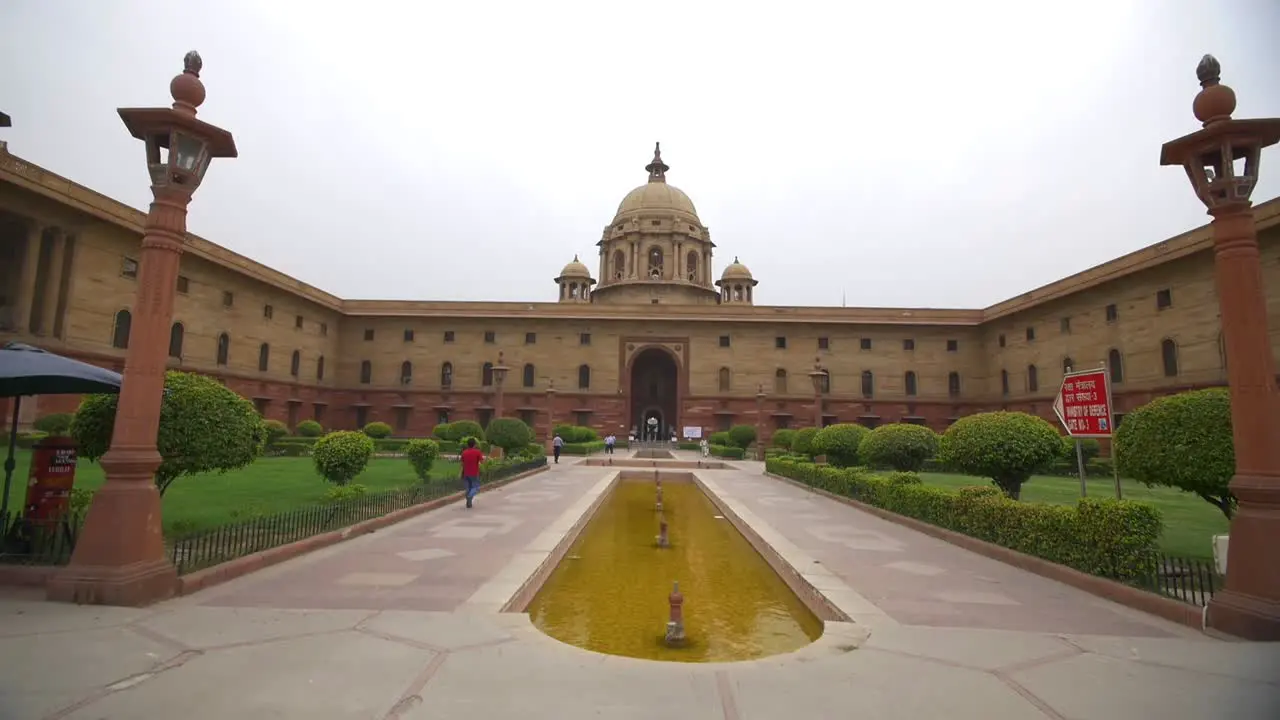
1004, 382
320, 368
528, 375
366, 372
406, 372
486, 374
692, 266
953, 384
619, 265
909, 381
1067, 364
224, 348
120, 333
1169, 356
780, 382
655, 262
724, 379
1115, 365
264, 357
868, 384
584, 377
295, 363
446, 375
176, 335
1033, 379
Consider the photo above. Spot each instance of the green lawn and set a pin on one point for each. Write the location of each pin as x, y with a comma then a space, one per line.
1189, 522
270, 485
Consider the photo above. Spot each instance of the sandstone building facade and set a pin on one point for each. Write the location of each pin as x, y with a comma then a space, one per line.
651, 332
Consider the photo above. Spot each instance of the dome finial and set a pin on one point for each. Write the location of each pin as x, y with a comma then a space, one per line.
186, 89
1209, 71
1215, 102
657, 169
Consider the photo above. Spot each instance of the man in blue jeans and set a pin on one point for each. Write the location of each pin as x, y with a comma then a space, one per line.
471, 459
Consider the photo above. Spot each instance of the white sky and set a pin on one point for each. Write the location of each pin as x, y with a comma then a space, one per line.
908, 154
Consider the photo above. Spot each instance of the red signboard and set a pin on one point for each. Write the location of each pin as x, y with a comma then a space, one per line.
1084, 404
53, 474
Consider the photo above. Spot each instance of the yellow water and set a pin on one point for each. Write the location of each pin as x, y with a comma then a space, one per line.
609, 593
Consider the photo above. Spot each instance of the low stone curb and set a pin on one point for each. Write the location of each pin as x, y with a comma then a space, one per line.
1166, 608
241, 566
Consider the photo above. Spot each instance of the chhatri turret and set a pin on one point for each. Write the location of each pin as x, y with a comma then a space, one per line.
575, 282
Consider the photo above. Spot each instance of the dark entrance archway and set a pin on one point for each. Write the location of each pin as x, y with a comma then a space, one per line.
655, 381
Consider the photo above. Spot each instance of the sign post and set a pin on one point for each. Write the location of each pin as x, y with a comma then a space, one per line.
1083, 406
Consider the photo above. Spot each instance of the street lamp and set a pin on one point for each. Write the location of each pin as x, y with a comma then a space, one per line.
1221, 160
818, 377
499, 375
551, 414
760, 422
120, 556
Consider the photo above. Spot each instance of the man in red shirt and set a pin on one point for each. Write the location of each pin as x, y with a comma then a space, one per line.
471, 459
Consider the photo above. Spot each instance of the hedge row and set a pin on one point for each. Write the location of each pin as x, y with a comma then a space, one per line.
1096, 467
728, 452
300, 446
1110, 538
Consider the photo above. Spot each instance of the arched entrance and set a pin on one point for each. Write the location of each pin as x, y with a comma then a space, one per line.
654, 390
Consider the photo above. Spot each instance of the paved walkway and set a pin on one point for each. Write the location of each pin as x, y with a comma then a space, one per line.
387, 626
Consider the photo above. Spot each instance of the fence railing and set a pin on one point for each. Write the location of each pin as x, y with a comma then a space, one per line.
1191, 581
48, 541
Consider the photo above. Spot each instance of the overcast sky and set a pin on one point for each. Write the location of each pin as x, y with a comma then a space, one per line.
900, 153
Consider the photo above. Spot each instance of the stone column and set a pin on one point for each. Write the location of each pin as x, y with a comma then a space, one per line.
499, 377
26, 298
760, 422
53, 284
551, 413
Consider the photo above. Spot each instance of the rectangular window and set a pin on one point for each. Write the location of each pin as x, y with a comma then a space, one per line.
780, 342
824, 343
268, 312
402, 419
1031, 334
129, 268
583, 418
490, 336
324, 328
584, 338
1112, 313
1001, 340
908, 344
864, 343
1164, 299
297, 322
530, 338
724, 341
184, 285
227, 298
1064, 325
442, 417
529, 417
448, 337
368, 334
408, 334
953, 345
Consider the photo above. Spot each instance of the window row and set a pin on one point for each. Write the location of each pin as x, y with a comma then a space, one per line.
824, 343
1115, 366
528, 374
910, 382
1164, 301
490, 336
177, 339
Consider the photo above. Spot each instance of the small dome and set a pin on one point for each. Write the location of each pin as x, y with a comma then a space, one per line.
736, 271
656, 196
575, 269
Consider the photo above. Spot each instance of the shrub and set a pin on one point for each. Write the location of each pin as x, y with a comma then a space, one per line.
292, 447
1182, 441
204, 427
839, 443
309, 429
377, 430
80, 501
1089, 446
54, 424
345, 493
443, 431
741, 436
510, 434
275, 431
462, 429
782, 438
575, 433
902, 477
728, 452
720, 437
802, 441
29, 438
1112, 538
1008, 447
340, 456
422, 454
582, 448
901, 446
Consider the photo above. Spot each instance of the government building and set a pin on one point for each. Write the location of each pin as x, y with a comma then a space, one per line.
647, 334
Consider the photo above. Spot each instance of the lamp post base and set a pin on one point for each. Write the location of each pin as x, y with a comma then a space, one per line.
135, 585
1245, 616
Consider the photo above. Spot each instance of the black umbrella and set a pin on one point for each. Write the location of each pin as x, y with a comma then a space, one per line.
27, 370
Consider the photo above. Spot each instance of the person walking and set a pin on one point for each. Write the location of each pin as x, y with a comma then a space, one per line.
556, 444
471, 459
609, 442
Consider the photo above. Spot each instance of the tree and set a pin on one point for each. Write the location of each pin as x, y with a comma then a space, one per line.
741, 436
839, 443
422, 454
1008, 447
901, 446
54, 424
275, 431
204, 427
1182, 441
510, 434
340, 456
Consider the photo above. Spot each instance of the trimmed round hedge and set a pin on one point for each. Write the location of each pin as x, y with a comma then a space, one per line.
802, 441
840, 443
510, 434
901, 446
340, 456
377, 430
1008, 447
309, 428
782, 438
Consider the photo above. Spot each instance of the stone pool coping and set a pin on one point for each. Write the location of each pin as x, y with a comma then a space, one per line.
847, 617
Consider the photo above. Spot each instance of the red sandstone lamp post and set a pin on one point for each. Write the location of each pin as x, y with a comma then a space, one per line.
499, 375
1221, 160
760, 422
818, 376
551, 414
120, 557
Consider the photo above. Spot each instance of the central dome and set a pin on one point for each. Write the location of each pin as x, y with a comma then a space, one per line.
656, 195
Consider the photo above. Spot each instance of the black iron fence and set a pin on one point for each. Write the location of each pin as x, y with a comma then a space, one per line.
1191, 581
48, 541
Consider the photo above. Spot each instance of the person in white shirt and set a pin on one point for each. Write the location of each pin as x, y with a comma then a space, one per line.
706, 449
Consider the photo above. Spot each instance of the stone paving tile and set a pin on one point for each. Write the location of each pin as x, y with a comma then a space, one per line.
920, 580
432, 562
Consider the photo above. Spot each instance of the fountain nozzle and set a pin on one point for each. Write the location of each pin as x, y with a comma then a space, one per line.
662, 532
675, 623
